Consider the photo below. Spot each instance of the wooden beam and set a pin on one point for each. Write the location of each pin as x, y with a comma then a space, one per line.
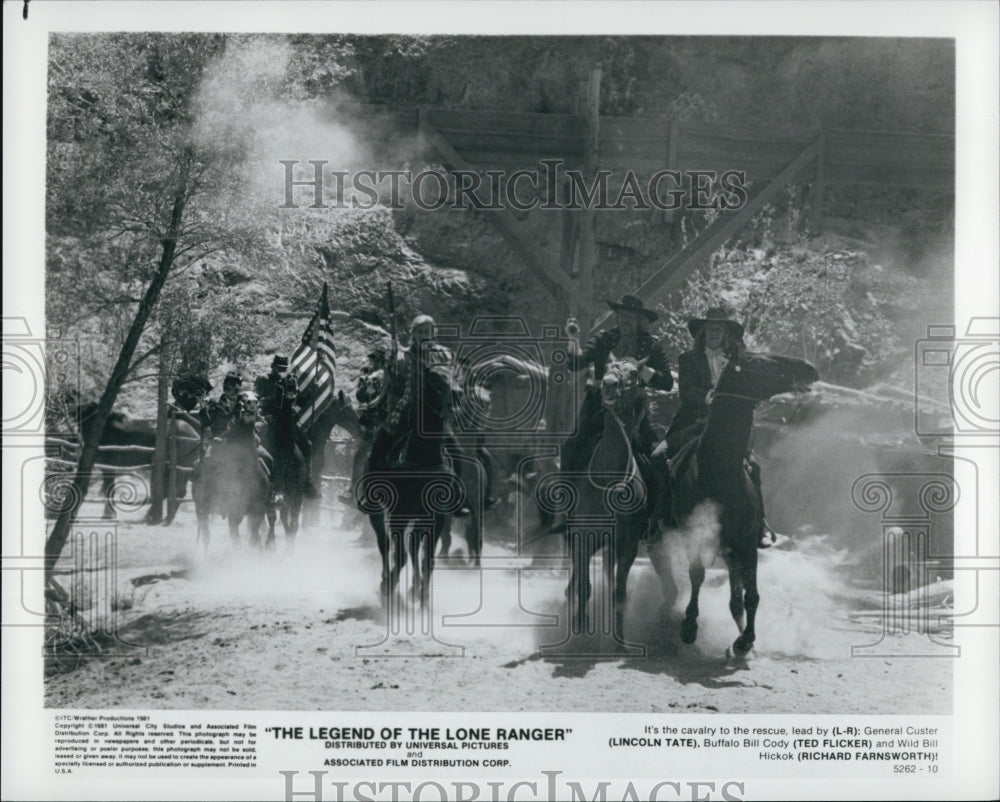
681, 265
582, 299
816, 212
539, 264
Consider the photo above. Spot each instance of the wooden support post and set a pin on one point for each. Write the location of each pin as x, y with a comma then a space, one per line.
680, 266
816, 212
541, 266
583, 295
673, 141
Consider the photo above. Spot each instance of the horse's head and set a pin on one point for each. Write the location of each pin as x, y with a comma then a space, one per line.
760, 376
247, 407
620, 385
289, 386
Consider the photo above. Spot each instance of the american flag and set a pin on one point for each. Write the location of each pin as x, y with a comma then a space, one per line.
313, 364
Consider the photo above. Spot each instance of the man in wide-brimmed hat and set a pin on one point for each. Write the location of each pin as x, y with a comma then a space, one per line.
630, 338
717, 339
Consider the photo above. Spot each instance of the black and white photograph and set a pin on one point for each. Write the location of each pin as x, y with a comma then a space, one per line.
517, 373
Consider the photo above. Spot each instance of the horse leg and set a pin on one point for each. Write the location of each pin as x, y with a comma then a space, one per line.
748, 565
107, 484
398, 558
234, 528
430, 539
474, 537
378, 523
414, 541
689, 627
626, 548
659, 557
578, 589
736, 606
255, 519
294, 512
272, 521
445, 538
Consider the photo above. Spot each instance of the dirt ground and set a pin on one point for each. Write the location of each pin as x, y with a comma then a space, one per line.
303, 628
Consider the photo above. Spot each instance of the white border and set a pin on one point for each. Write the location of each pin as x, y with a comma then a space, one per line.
974, 25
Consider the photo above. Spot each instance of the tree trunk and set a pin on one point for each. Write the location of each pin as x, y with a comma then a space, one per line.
95, 426
158, 484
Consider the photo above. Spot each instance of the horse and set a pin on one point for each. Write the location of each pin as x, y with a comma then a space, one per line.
712, 480
233, 477
498, 396
290, 472
610, 492
128, 443
339, 413
413, 490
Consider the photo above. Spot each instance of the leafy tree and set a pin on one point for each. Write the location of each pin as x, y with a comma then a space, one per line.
140, 187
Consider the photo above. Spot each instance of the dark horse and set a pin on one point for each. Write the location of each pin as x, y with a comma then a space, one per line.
128, 443
415, 493
713, 486
231, 479
289, 472
339, 413
611, 492
499, 396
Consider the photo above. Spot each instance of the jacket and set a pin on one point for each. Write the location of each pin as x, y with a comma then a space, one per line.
598, 350
694, 380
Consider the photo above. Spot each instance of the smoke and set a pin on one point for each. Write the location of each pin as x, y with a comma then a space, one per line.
248, 114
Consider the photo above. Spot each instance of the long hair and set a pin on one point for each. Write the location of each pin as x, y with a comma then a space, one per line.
731, 346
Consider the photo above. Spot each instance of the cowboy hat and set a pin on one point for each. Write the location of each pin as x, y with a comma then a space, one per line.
632, 303
279, 362
715, 314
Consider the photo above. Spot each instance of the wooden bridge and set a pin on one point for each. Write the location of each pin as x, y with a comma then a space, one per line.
771, 156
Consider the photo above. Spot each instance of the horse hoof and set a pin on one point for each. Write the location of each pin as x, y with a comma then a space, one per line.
742, 646
689, 631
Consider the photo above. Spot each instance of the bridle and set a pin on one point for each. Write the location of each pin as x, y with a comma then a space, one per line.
633, 467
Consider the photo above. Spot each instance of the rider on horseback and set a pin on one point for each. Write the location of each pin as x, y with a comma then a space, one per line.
217, 415
271, 390
371, 395
245, 425
189, 392
717, 340
421, 370
629, 338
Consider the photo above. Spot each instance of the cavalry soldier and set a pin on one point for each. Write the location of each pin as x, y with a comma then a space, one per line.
189, 392
270, 389
246, 413
717, 340
423, 365
371, 396
216, 416
630, 338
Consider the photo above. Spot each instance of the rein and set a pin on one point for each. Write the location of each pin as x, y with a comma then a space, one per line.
736, 395
632, 466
